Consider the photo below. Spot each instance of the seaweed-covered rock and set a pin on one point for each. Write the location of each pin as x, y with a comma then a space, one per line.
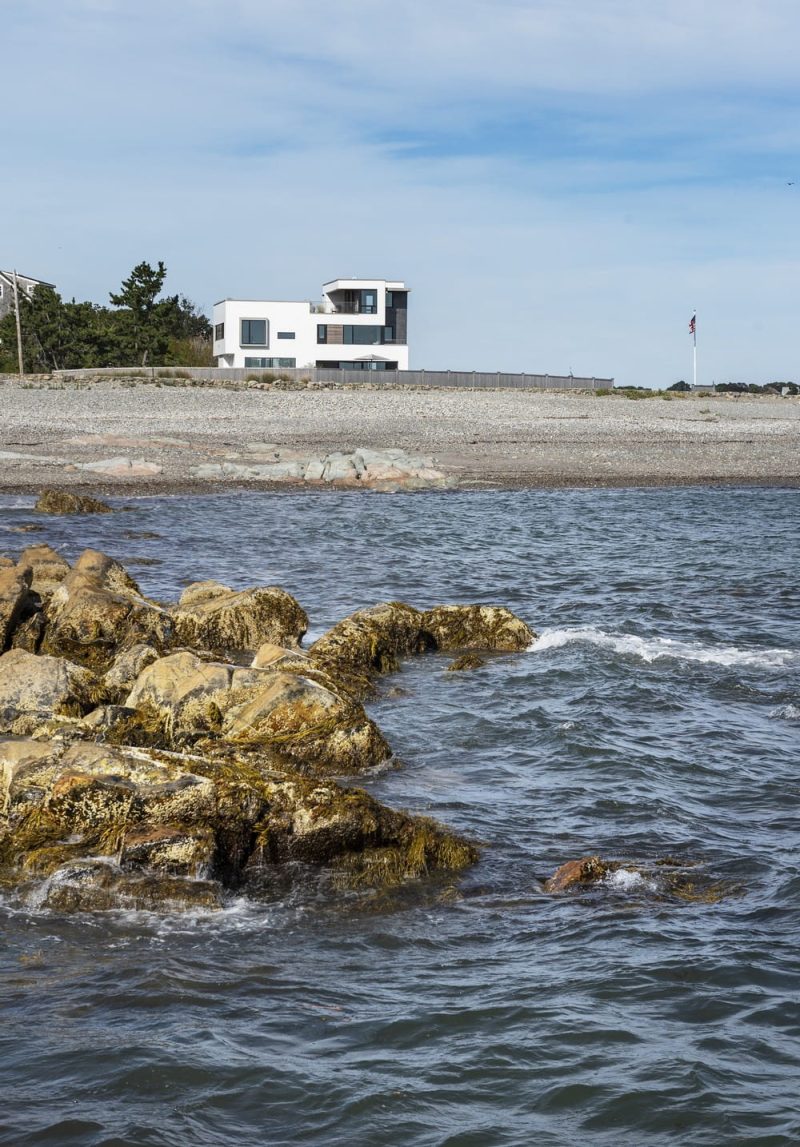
215, 618
299, 718
15, 601
48, 568
476, 627
109, 827
40, 687
63, 502
370, 642
309, 723
97, 610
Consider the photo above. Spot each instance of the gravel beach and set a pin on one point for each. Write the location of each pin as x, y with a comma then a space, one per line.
48, 433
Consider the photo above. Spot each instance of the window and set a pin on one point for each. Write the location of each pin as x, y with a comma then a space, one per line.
389, 302
284, 362
219, 332
363, 336
254, 332
285, 334
322, 332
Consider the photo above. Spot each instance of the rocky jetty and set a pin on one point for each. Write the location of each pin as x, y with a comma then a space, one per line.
156, 756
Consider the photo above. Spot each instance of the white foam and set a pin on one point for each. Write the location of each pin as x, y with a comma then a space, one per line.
786, 713
651, 649
626, 880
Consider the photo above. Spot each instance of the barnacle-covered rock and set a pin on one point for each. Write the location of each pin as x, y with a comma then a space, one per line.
214, 618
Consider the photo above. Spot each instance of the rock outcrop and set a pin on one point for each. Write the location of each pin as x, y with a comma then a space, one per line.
155, 757
107, 826
491, 627
48, 569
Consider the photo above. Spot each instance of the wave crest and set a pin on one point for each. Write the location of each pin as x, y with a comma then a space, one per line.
651, 649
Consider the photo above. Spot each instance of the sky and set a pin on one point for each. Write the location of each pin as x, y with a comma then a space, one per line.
561, 183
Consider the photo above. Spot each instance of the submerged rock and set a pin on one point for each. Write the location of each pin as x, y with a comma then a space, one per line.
666, 879
586, 870
213, 617
466, 661
63, 502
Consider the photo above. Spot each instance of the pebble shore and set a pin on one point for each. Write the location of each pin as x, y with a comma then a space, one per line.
116, 436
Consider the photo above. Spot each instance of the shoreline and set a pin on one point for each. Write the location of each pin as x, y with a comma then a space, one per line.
147, 440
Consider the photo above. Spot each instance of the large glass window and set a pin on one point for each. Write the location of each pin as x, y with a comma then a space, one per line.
362, 336
254, 332
219, 332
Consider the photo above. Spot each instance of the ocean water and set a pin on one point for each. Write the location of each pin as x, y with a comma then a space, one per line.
658, 714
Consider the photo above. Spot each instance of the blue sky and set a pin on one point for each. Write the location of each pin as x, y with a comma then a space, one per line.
561, 183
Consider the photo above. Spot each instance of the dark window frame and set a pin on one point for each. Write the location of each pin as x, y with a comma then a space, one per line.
250, 341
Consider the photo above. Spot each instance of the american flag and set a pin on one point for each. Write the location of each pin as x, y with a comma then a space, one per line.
693, 323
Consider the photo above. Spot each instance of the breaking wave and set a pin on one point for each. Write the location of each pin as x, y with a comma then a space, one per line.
651, 649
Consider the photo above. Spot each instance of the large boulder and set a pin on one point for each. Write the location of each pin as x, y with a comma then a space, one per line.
299, 718
35, 688
108, 827
15, 601
214, 618
476, 627
97, 610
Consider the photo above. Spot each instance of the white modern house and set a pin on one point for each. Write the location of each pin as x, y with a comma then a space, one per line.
360, 324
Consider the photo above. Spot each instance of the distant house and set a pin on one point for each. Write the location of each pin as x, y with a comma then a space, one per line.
360, 324
24, 283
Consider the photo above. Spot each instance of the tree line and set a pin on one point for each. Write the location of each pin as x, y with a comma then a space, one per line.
137, 329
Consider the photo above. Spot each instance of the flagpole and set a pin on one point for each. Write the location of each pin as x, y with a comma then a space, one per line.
693, 332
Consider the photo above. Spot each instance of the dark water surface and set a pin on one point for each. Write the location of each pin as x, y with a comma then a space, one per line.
658, 714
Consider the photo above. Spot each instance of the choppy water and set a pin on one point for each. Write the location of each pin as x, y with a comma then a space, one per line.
659, 713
